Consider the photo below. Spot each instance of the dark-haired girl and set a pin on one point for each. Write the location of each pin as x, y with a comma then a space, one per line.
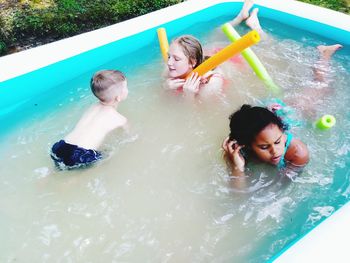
260, 132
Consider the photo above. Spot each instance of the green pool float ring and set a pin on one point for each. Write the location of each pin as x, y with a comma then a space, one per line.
326, 122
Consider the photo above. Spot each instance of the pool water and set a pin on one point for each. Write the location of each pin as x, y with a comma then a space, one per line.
163, 193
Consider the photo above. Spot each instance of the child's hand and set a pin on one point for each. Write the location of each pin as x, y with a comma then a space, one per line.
175, 83
274, 107
232, 148
192, 83
206, 77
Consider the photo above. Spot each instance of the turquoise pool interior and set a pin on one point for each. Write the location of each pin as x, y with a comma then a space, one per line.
163, 194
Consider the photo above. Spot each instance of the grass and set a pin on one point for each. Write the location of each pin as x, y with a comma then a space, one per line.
28, 23
336, 5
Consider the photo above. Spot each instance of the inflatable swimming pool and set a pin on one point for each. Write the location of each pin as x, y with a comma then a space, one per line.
31, 73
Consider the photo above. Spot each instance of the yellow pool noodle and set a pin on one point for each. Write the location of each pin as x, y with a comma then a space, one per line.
163, 42
247, 40
251, 58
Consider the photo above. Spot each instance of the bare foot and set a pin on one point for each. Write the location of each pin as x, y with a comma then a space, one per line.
244, 13
326, 52
321, 68
253, 21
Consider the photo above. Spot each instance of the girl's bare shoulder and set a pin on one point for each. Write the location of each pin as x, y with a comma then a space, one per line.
297, 153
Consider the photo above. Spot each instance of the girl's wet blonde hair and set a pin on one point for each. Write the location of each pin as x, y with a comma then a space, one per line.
192, 48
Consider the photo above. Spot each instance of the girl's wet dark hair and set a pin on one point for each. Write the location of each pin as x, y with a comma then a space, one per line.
248, 121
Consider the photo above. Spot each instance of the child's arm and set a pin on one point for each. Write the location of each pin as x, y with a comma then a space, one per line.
126, 126
119, 121
192, 83
213, 80
174, 83
297, 153
232, 153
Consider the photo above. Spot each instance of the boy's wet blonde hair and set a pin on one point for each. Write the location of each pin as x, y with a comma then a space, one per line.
192, 48
105, 80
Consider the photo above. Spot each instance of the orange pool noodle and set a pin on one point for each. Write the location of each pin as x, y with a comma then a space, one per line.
163, 42
247, 40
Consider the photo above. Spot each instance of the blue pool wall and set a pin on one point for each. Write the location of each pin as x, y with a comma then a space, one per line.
324, 30
20, 90
17, 92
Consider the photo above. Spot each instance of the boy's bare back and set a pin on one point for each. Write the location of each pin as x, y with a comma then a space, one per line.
80, 146
94, 125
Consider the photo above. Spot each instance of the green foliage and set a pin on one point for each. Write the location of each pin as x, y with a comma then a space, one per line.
26, 23
337, 5
128, 9
3, 48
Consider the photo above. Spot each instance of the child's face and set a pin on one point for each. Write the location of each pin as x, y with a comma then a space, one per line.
178, 64
269, 144
119, 93
125, 91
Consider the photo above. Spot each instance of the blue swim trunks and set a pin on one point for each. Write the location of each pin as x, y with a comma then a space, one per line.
72, 156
